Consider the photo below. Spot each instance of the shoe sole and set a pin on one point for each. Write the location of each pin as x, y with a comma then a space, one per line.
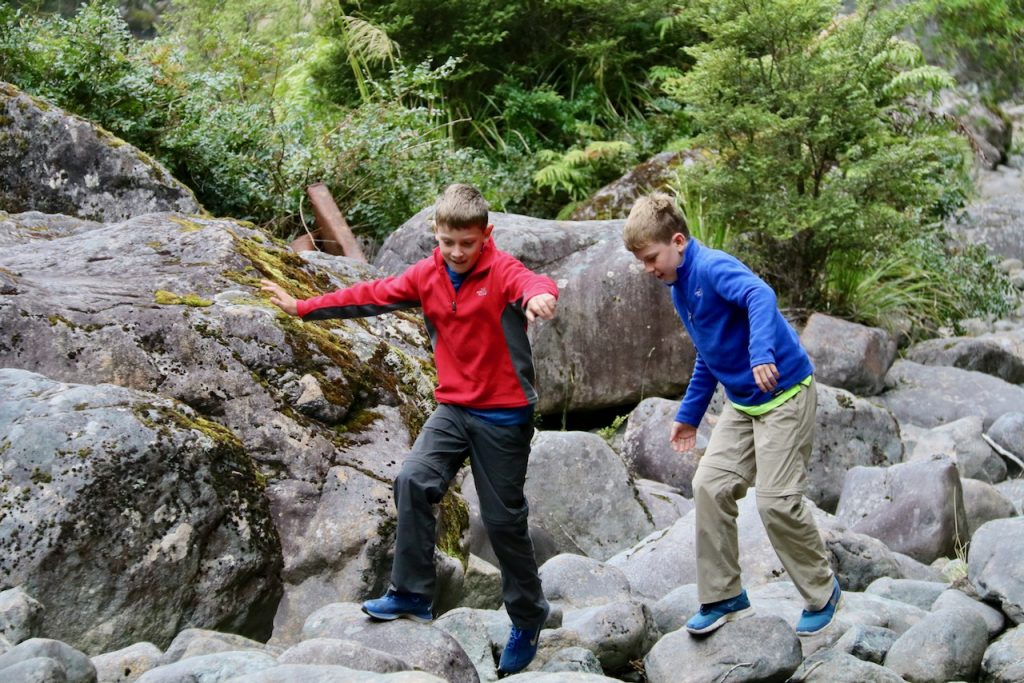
718, 623
842, 599
381, 616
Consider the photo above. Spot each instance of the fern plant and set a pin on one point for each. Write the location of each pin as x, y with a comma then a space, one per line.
577, 171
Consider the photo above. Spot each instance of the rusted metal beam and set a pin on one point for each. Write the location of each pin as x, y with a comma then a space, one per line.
333, 231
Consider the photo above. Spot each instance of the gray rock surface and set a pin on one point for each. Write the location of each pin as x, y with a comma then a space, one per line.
218, 667
169, 304
591, 508
192, 539
921, 594
832, 666
847, 355
1004, 659
578, 581
76, 666
849, 432
961, 442
970, 353
983, 502
646, 449
929, 396
617, 632
35, 670
868, 643
127, 664
335, 652
615, 199
56, 162
946, 645
914, 508
753, 649
423, 646
994, 563
20, 615
665, 503
994, 619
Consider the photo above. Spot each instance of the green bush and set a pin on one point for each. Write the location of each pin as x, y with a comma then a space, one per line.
822, 150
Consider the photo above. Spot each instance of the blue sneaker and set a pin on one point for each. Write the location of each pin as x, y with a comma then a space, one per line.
396, 604
521, 647
818, 620
712, 615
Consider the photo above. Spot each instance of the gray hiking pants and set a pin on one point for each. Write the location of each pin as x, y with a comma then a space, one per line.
498, 456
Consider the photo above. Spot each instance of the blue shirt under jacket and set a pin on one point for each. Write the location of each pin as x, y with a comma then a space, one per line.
735, 324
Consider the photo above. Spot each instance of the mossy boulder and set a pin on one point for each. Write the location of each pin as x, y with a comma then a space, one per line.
129, 516
56, 162
312, 404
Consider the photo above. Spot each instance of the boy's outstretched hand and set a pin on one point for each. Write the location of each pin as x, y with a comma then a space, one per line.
279, 297
541, 306
683, 437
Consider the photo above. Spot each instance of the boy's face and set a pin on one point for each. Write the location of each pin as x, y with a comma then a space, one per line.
460, 247
661, 259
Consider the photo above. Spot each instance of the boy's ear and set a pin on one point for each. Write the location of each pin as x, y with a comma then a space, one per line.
488, 230
679, 239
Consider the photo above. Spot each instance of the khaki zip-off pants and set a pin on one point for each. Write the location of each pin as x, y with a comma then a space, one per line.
769, 452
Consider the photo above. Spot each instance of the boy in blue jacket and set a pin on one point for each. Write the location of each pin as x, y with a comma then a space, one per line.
764, 435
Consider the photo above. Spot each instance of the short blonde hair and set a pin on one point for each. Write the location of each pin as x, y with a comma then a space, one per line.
654, 218
461, 206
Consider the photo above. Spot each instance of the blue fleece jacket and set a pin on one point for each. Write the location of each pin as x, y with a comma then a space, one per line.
735, 324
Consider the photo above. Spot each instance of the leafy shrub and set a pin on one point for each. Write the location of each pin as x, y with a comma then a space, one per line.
822, 154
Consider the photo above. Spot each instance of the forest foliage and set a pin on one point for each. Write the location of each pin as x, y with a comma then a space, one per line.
826, 167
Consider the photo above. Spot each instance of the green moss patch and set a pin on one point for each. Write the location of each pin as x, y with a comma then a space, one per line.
164, 297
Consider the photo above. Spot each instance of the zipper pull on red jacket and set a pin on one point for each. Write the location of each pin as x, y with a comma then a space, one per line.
453, 305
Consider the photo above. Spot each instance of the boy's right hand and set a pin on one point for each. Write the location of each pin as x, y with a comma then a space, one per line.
279, 297
683, 437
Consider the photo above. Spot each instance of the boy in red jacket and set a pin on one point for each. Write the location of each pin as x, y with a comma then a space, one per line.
476, 302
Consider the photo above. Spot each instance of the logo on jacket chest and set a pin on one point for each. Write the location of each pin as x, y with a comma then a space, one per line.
482, 291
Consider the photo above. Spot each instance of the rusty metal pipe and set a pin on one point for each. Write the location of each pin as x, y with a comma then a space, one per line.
334, 232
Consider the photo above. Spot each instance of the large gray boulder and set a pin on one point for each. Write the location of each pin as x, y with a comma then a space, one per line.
753, 649
997, 222
615, 199
20, 615
578, 581
75, 665
932, 395
831, 666
647, 451
849, 432
616, 338
847, 355
994, 563
617, 633
56, 162
961, 441
946, 645
128, 516
169, 304
581, 494
425, 647
980, 354
914, 508
983, 502
1004, 659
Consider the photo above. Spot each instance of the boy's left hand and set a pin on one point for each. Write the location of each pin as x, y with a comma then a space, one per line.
541, 306
767, 377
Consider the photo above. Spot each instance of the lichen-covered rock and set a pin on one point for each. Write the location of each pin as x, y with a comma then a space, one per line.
128, 516
615, 199
56, 162
170, 304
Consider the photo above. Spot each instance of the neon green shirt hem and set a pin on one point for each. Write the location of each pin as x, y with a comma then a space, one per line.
776, 401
